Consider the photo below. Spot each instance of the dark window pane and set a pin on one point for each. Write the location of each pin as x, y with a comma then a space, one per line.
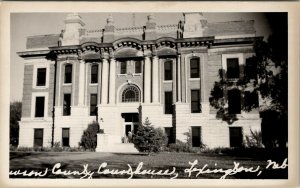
169, 133
138, 67
38, 137
68, 73
131, 94
93, 105
39, 106
196, 136
250, 100
195, 101
233, 70
251, 68
94, 74
195, 68
41, 77
234, 101
168, 102
236, 136
123, 68
168, 70
65, 137
67, 105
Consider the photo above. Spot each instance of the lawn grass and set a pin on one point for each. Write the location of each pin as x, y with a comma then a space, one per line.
74, 162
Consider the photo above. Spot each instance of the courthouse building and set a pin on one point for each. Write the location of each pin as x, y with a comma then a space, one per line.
121, 76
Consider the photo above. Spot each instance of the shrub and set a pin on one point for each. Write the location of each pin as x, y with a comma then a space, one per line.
254, 140
89, 137
149, 139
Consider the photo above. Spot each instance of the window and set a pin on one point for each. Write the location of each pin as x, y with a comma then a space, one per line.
68, 74
196, 136
168, 102
93, 105
66, 137
234, 101
94, 74
168, 70
233, 70
169, 133
195, 101
38, 137
236, 136
251, 68
39, 106
41, 77
123, 67
130, 94
67, 105
195, 68
250, 100
138, 67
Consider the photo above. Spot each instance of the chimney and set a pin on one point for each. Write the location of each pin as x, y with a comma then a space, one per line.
73, 29
194, 25
109, 30
150, 33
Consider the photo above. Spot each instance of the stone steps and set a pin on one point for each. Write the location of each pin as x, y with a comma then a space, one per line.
118, 148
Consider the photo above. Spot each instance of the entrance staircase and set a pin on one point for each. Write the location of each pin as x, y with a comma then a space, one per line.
118, 148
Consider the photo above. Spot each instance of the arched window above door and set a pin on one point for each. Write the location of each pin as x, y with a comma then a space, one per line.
131, 94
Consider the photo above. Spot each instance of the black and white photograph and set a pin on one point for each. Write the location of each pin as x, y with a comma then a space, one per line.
149, 95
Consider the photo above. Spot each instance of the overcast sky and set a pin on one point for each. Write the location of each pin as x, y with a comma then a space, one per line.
29, 24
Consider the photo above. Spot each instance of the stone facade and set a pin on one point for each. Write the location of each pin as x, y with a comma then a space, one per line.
133, 78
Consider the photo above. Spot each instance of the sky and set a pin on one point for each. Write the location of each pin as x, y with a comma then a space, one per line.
30, 24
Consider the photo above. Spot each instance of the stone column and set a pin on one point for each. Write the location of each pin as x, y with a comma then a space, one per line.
155, 79
104, 88
147, 80
81, 84
112, 80
178, 79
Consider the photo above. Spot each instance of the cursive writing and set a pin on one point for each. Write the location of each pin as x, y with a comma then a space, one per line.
204, 170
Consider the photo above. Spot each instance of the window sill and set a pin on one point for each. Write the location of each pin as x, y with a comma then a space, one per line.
67, 84
194, 79
40, 87
93, 84
167, 81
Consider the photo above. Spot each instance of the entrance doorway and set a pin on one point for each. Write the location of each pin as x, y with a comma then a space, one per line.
131, 122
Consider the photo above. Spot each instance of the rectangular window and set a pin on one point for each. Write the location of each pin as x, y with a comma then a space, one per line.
94, 74
195, 68
236, 136
68, 73
39, 106
123, 67
138, 67
41, 77
169, 133
233, 69
67, 105
250, 100
93, 105
38, 137
168, 102
66, 137
196, 136
234, 101
195, 101
168, 70
251, 68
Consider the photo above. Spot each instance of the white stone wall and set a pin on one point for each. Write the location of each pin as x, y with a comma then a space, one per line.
26, 134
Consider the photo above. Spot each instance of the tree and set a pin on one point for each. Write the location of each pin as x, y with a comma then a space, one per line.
149, 139
89, 137
15, 117
271, 67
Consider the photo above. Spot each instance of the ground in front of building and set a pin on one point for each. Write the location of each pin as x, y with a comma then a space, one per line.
75, 161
